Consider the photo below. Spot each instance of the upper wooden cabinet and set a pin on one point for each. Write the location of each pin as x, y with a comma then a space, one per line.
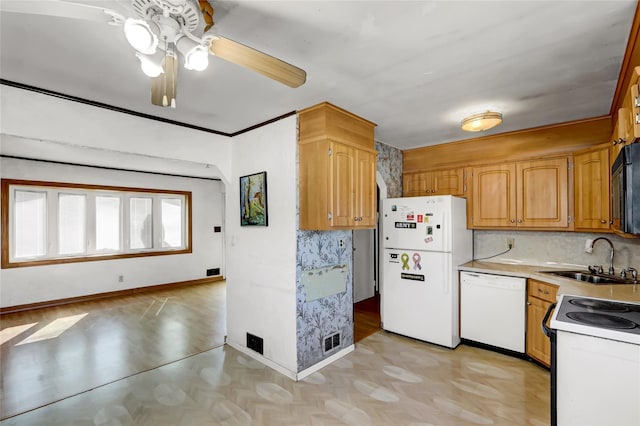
337, 169
527, 194
591, 190
439, 182
627, 127
494, 196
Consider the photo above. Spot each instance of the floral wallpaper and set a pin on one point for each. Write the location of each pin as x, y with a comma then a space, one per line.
323, 317
317, 319
390, 167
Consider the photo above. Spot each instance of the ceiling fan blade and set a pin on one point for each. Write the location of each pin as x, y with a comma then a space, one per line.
164, 87
257, 61
62, 9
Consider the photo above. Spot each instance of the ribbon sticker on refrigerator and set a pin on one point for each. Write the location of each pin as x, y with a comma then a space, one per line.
405, 261
416, 261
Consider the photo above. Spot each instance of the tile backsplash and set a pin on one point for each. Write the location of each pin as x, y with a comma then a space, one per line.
561, 249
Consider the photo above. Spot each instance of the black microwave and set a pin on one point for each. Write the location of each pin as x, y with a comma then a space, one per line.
625, 190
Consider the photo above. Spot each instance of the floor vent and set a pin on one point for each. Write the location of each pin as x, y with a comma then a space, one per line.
255, 343
331, 342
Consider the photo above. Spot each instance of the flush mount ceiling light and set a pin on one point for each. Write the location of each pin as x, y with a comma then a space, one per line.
481, 122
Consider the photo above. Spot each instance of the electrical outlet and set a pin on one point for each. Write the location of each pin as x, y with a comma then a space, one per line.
511, 242
120, 278
341, 243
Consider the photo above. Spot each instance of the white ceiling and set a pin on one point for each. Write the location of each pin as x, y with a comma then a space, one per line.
415, 68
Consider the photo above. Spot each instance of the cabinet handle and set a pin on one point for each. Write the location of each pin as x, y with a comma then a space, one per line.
329, 216
543, 291
603, 221
512, 221
519, 220
528, 303
637, 118
615, 142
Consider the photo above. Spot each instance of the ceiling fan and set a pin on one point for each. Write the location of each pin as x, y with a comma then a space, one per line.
160, 30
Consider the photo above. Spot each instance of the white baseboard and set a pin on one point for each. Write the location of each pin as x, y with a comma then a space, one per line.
282, 370
315, 367
255, 355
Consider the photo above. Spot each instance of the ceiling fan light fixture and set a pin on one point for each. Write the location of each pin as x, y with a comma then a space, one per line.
197, 59
151, 65
140, 36
481, 122
196, 56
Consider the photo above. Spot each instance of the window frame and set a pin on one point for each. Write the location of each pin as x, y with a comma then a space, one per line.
124, 193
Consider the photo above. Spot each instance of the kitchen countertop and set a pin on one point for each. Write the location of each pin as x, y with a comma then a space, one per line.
622, 292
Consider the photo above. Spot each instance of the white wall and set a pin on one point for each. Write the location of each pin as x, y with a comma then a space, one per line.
261, 261
46, 120
39, 126
50, 282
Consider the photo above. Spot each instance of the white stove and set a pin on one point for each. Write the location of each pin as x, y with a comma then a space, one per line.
595, 362
604, 318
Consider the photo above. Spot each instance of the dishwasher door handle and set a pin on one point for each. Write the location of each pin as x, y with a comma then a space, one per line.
546, 330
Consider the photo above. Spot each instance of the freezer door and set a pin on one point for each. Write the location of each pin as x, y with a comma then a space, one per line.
417, 296
420, 223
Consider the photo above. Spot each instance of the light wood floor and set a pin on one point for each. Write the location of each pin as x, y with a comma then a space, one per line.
106, 340
387, 380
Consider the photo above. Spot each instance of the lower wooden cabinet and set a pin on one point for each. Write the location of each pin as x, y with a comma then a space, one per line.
539, 296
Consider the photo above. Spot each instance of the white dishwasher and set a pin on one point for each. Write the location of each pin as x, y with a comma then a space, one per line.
492, 310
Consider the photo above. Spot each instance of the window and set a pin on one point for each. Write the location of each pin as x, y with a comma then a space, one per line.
71, 223
47, 223
171, 222
140, 223
30, 223
107, 223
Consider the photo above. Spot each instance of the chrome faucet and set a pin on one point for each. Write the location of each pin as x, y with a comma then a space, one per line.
589, 249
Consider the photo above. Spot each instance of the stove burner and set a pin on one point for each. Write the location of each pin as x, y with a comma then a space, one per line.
599, 305
602, 320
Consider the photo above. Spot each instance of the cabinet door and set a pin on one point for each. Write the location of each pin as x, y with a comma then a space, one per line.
591, 190
618, 136
365, 190
542, 193
634, 107
494, 195
538, 344
342, 185
448, 182
416, 184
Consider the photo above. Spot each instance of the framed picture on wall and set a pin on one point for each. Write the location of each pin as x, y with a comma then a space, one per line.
253, 200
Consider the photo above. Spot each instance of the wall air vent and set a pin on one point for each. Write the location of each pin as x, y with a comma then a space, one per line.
255, 343
331, 342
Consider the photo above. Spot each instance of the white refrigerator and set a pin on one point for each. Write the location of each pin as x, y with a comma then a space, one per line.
424, 240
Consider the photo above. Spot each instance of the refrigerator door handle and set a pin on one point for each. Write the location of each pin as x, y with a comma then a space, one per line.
446, 281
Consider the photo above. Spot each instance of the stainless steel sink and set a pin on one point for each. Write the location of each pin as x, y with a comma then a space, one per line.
590, 277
